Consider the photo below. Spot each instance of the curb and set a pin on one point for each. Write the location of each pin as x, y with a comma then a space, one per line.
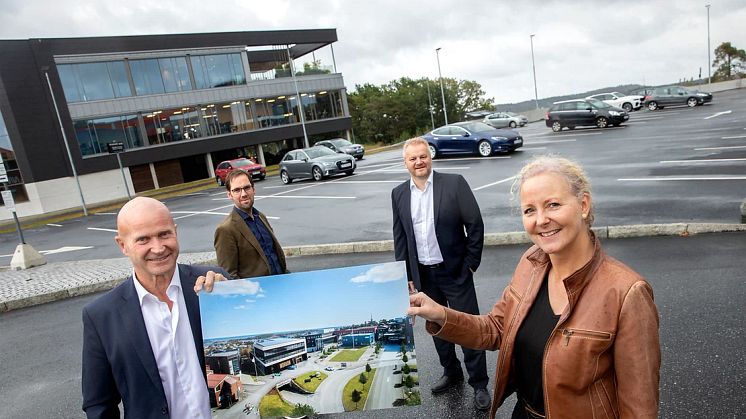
490, 239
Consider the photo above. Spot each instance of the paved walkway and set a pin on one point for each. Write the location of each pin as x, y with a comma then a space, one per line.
60, 280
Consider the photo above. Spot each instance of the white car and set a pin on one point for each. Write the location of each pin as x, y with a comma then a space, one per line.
620, 100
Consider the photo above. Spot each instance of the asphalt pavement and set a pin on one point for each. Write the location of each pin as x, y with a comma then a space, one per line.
699, 288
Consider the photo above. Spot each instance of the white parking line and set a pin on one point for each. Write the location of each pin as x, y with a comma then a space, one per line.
371, 181
533, 148
734, 137
196, 193
104, 213
306, 197
59, 250
570, 140
656, 178
102, 229
54, 225
702, 161
494, 183
720, 148
201, 212
210, 210
222, 192
718, 114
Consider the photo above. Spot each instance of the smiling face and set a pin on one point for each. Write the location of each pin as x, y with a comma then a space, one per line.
146, 234
554, 217
418, 161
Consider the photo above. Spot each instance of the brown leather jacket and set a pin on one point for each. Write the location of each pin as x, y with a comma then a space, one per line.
603, 358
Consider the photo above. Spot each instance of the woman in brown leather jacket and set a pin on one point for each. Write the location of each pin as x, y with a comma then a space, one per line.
577, 330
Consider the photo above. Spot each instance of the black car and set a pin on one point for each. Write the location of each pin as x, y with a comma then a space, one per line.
584, 112
340, 145
661, 97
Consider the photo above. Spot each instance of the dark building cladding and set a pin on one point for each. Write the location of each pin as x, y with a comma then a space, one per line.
179, 103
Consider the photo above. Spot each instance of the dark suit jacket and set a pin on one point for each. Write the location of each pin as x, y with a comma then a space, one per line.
454, 209
118, 362
239, 252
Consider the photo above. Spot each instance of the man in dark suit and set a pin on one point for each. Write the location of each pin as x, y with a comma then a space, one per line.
438, 231
142, 341
244, 241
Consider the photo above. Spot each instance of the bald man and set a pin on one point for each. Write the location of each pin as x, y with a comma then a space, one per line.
142, 341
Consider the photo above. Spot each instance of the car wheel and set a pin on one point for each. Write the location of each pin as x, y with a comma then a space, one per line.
220, 182
350, 172
484, 148
691, 102
433, 151
285, 177
652, 105
627, 106
316, 173
556, 126
512, 124
602, 122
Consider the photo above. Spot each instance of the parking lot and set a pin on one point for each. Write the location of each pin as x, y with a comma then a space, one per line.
673, 165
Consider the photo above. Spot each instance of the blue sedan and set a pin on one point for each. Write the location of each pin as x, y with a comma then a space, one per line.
472, 138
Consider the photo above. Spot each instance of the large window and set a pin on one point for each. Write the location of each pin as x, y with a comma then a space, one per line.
217, 70
275, 111
94, 81
162, 75
15, 182
94, 134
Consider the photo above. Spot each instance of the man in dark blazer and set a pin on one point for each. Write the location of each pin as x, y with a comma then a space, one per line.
438, 231
142, 341
245, 244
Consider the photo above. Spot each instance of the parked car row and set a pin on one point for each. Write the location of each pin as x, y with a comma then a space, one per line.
584, 112
340, 145
660, 97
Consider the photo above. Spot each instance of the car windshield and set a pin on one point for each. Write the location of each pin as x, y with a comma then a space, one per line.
511, 113
475, 126
315, 152
617, 94
598, 104
243, 163
340, 142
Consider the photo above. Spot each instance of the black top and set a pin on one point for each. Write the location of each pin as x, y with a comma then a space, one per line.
530, 342
262, 235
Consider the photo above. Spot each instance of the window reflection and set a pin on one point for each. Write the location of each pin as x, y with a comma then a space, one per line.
94, 81
94, 134
147, 77
15, 182
217, 70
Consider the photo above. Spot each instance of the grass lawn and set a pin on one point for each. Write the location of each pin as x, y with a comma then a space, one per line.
313, 384
349, 355
273, 406
354, 384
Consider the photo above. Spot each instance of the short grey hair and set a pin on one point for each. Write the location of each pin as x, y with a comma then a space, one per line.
413, 141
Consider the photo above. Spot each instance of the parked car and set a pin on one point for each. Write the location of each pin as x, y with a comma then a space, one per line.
255, 170
329, 369
340, 145
620, 100
584, 112
661, 97
472, 137
505, 119
314, 162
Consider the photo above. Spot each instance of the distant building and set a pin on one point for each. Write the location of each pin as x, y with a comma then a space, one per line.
179, 104
224, 389
317, 341
358, 340
365, 329
274, 355
224, 362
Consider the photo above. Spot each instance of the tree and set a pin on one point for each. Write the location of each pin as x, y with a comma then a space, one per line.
367, 368
413, 398
405, 369
408, 381
362, 379
730, 62
356, 396
404, 358
301, 409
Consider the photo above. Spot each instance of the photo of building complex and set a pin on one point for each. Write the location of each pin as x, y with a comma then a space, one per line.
179, 104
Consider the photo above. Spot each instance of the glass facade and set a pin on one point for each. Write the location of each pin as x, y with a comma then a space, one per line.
217, 70
94, 81
94, 134
162, 75
15, 182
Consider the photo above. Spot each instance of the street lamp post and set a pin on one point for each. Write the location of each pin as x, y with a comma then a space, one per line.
430, 103
442, 92
533, 65
299, 99
709, 65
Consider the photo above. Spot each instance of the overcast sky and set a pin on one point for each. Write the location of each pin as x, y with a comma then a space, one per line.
579, 45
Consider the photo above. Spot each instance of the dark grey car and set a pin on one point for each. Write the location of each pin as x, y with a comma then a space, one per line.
340, 145
314, 162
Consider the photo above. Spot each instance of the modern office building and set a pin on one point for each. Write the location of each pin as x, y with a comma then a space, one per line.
178, 104
274, 355
317, 340
228, 362
357, 340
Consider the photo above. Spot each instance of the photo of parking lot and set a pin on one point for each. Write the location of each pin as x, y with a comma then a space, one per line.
326, 341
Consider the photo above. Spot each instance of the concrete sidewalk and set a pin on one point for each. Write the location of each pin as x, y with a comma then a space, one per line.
57, 281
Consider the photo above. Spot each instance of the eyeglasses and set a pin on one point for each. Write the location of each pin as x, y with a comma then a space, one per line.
237, 191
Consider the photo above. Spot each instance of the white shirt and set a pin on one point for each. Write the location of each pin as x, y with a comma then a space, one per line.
423, 221
173, 345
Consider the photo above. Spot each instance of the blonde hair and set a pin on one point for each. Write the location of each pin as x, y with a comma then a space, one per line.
413, 141
569, 170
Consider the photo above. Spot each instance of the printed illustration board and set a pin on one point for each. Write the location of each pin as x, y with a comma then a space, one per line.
326, 341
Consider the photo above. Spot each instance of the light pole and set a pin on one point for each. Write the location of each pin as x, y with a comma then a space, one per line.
533, 65
430, 103
709, 65
442, 92
299, 99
